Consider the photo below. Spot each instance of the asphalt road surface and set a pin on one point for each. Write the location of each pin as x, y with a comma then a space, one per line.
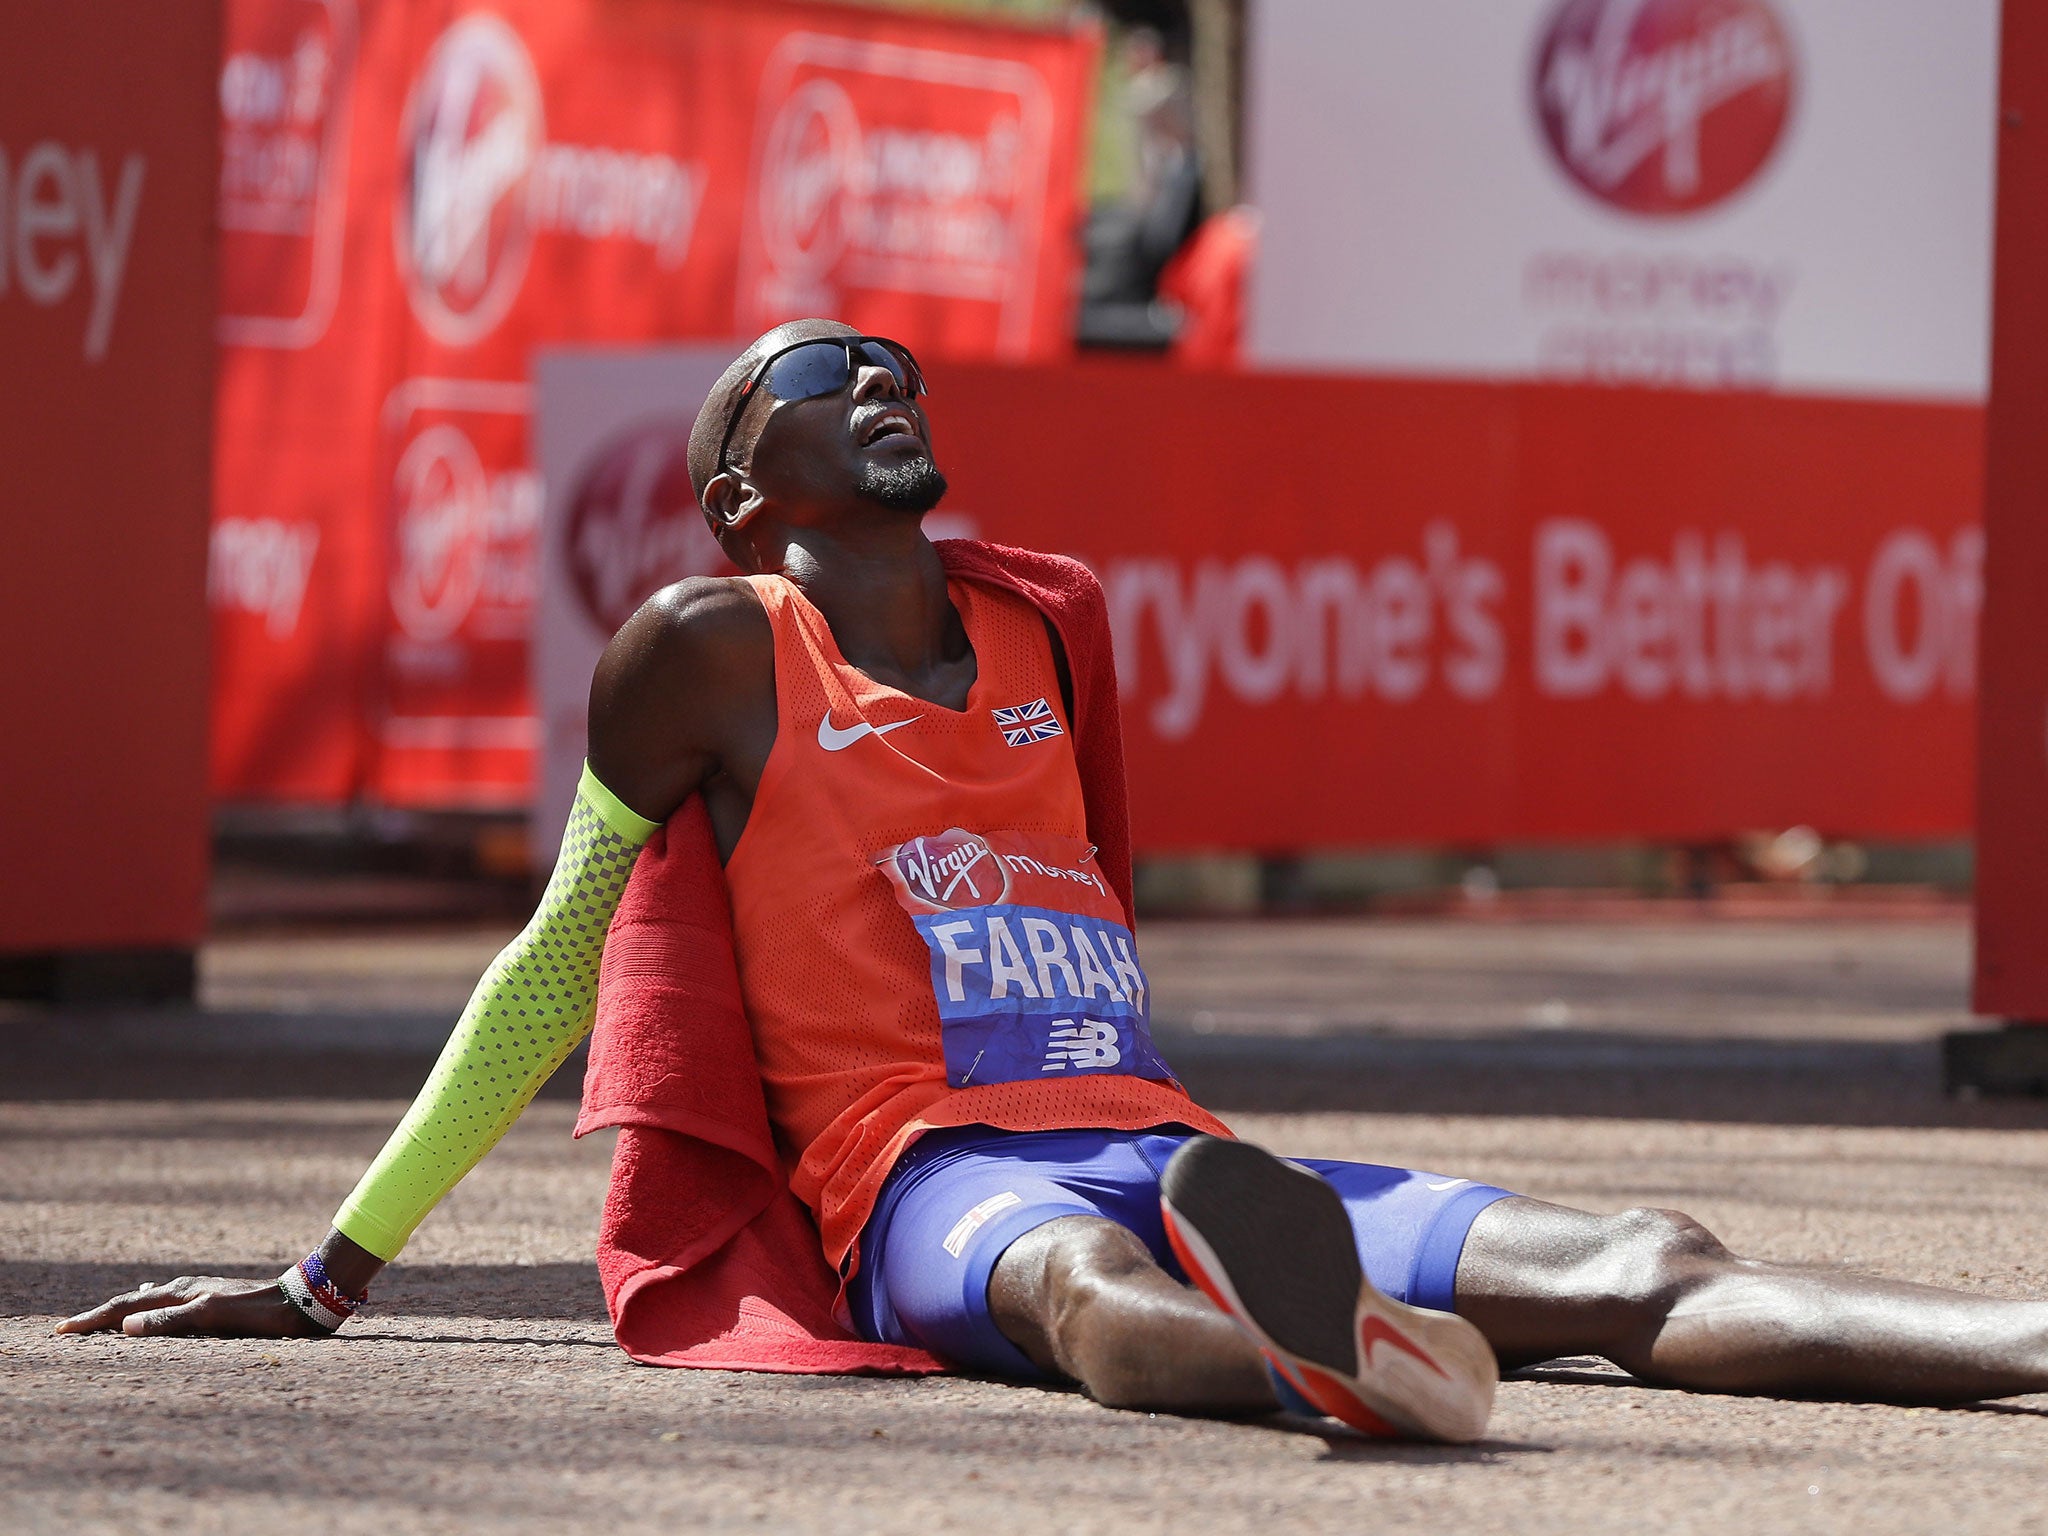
1775, 1079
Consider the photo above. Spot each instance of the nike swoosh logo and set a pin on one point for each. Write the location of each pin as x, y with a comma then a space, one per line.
1375, 1331
833, 739
1446, 1184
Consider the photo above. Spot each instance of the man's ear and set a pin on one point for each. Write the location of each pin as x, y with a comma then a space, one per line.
730, 500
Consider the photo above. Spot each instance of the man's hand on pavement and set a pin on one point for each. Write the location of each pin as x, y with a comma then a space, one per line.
198, 1304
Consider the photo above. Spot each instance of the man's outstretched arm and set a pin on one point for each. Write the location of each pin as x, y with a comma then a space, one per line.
663, 688
533, 1005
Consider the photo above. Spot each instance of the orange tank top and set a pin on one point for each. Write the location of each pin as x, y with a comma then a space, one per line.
923, 938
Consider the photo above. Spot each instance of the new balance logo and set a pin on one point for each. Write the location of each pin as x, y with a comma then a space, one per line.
1022, 724
1084, 1046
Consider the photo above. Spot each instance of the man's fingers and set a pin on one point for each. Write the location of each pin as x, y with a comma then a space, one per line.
109, 1313
188, 1317
191, 1304
103, 1316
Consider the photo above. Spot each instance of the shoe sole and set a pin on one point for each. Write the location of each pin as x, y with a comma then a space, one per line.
1272, 1245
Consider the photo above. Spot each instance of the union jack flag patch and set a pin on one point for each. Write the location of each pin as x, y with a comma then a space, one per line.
1022, 724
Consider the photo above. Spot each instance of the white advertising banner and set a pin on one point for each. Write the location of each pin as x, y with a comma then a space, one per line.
1775, 194
612, 432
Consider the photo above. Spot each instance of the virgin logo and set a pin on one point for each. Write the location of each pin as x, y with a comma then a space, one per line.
471, 134
814, 161
633, 523
1664, 106
951, 870
441, 526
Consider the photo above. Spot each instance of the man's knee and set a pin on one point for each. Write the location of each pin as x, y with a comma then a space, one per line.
1650, 1258
1089, 1266
1097, 1278
1054, 1291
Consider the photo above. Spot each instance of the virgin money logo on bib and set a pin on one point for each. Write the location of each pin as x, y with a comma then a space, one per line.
951, 870
1034, 970
1661, 107
472, 132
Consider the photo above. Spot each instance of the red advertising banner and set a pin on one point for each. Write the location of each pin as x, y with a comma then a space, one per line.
1353, 612
1364, 611
107, 155
306, 292
929, 220
545, 171
2012, 812
1348, 610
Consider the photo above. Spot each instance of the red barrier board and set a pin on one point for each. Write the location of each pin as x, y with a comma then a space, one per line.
1365, 611
306, 289
106, 167
1350, 610
2012, 815
536, 172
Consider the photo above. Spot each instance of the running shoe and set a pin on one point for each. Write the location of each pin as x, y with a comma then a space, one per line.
1271, 1244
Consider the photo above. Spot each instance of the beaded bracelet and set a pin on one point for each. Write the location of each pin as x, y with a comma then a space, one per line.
323, 1303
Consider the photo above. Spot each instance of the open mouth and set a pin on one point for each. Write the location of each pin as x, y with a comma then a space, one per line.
890, 423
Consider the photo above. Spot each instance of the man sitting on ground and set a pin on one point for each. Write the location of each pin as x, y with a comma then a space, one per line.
950, 1022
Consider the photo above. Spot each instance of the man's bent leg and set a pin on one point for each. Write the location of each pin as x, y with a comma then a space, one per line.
1658, 1294
1084, 1298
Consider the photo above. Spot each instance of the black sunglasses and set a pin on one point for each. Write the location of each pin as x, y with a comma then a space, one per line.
823, 365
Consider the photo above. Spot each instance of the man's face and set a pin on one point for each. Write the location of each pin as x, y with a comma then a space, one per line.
870, 442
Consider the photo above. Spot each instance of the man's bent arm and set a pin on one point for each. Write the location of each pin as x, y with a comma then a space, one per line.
657, 695
533, 1005
667, 684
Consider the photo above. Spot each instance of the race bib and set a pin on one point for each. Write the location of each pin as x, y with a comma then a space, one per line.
1034, 971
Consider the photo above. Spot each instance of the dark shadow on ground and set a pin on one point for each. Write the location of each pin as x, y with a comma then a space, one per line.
1561, 1374
1343, 1444
1587, 1075
46, 1056
1589, 1373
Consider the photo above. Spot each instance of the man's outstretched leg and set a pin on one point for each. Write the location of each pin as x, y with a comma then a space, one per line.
1036, 1254
1658, 1294
1274, 1249
1083, 1298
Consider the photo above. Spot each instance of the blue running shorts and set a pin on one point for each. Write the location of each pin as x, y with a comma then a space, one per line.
959, 1197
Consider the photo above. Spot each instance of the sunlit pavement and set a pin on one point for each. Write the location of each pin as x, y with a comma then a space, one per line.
1775, 1079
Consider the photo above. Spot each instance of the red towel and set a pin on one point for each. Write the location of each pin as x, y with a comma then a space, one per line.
705, 1256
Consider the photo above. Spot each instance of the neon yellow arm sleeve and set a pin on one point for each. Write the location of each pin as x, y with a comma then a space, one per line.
534, 1003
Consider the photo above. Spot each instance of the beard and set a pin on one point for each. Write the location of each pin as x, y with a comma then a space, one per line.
913, 486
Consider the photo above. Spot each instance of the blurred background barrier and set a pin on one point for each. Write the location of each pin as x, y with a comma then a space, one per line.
2012, 826
107, 153
1355, 611
1446, 610
416, 193
1498, 423
612, 438
1781, 195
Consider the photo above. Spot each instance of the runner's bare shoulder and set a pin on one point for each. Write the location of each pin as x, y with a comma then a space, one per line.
692, 668
696, 623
